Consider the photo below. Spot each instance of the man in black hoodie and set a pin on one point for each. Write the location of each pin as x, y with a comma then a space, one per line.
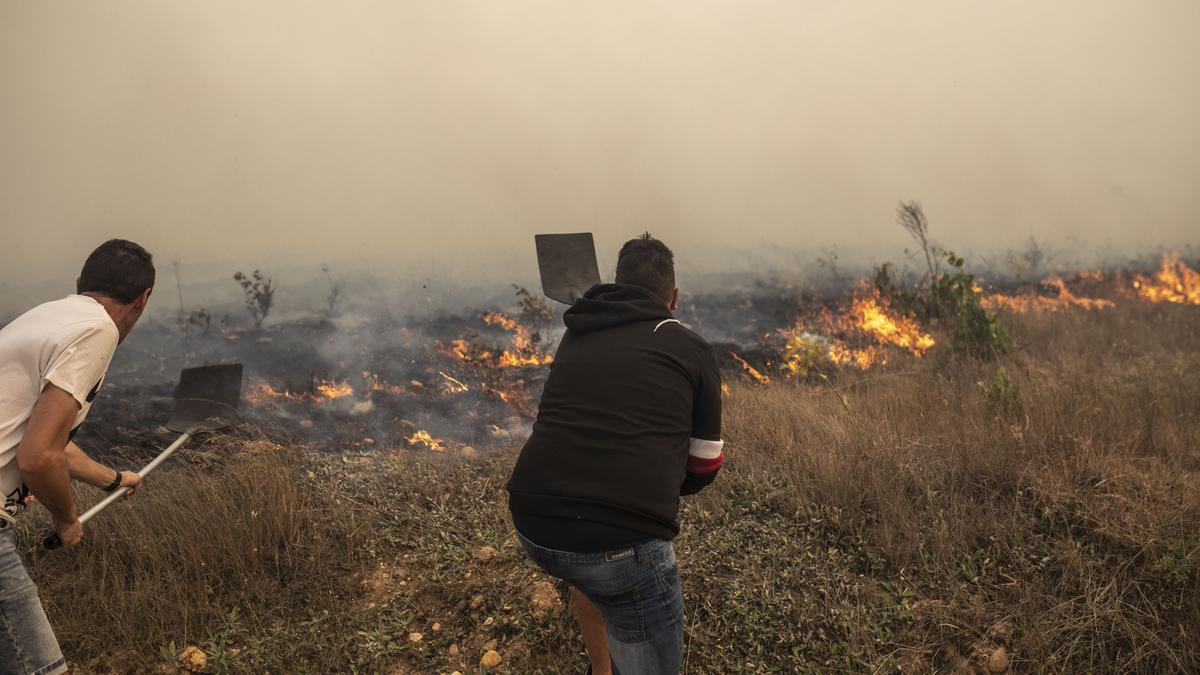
630, 419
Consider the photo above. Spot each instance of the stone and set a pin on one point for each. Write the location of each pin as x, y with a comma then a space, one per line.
485, 553
491, 659
544, 601
999, 661
193, 660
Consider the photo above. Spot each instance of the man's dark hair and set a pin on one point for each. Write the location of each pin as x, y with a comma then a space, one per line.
647, 262
119, 269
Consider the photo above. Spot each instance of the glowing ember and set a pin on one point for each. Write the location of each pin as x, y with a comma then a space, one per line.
423, 437
1173, 282
751, 370
869, 313
374, 384
453, 386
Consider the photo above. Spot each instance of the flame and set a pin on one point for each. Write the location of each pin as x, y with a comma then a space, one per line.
863, 359
453, 386
525, 351
1034, 302
324, 390
262, 392
329, 390
869, 313
753, 372
1173, 282
463, 350
804, 352
423, 437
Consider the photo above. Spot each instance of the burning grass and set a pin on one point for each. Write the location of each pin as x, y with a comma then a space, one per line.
933, 515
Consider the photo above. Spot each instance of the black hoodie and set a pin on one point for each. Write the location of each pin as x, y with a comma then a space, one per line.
630, 418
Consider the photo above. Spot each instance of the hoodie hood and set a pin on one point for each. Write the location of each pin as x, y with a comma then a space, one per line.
608, 305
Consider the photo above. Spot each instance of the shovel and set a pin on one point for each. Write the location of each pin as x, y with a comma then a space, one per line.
568, 266
206, 399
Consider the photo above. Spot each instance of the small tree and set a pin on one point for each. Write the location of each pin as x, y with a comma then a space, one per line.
197, 320
975, 330
911, 217
333, 300
259, 292
535, 311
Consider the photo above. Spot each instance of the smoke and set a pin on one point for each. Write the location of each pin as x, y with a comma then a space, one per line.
435, 138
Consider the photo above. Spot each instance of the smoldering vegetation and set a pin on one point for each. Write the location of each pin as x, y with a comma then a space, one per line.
928, 468
1033, 511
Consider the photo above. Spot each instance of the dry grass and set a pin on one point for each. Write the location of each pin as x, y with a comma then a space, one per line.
1065, 528
239, 535
922, 529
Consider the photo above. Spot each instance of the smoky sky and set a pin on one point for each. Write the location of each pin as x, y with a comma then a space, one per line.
272, 132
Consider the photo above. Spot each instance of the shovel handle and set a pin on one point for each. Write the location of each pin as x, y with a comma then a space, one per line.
53, 541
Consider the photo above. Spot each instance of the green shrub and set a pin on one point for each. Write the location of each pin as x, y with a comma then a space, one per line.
953, 297
1001, 392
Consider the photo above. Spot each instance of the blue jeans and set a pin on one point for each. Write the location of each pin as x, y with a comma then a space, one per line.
27, 644
637, 590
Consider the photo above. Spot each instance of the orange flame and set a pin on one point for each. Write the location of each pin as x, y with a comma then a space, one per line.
751, 370
863, 359
869, 313
1173, 282
524, 351
262, 392
329, 390
1034, 302
423, 437
453, 385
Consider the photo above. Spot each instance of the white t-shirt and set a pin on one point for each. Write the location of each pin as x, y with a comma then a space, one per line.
68, 343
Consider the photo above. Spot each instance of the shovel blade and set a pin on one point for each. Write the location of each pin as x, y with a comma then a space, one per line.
207, 398
568, 266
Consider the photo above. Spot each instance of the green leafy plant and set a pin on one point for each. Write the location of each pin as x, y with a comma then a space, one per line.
1001, 392
953, 296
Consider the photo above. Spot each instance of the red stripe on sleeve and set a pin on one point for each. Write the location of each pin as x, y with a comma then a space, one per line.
702, 465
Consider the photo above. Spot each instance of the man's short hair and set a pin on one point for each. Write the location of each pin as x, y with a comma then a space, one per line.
119, 269
647, 262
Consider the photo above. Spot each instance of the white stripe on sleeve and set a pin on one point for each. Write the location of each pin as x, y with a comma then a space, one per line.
705, 449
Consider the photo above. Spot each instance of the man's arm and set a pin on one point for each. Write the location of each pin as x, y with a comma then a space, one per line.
87, 470
43, 463
705, 454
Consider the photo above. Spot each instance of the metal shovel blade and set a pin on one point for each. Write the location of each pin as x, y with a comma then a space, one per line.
568, 265
207, 398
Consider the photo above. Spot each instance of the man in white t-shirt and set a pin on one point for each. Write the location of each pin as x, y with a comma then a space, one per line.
52, 362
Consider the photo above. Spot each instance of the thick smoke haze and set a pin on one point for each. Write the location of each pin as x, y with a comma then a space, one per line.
441, 135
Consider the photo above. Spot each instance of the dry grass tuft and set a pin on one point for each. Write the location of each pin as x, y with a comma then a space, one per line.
197, 546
